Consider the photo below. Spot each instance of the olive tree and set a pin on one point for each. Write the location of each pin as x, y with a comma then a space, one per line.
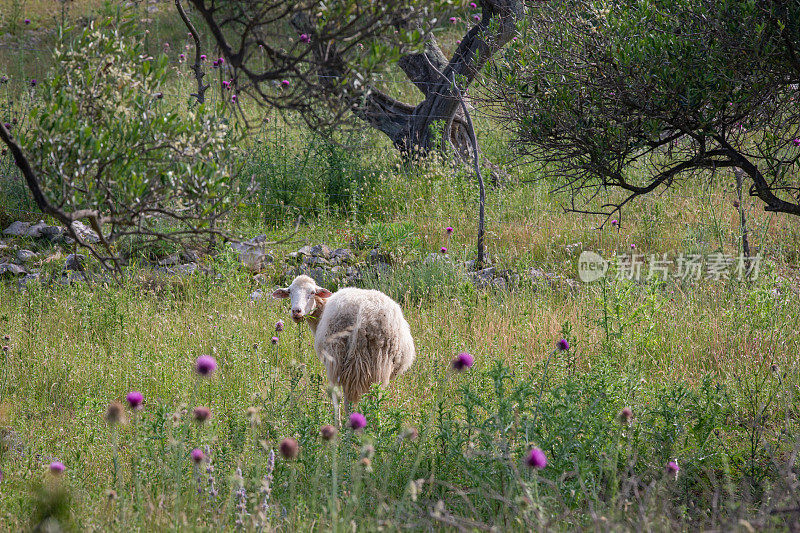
321, 58
104, 146
637, 94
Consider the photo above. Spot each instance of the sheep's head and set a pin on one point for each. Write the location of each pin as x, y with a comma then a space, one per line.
304, 293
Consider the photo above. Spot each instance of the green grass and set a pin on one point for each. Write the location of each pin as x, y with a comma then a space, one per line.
709, 368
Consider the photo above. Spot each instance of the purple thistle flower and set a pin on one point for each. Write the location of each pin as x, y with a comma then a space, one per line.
462, 361
449, 230
221, 61
34, 82
453, 20
328, 432
182, 57
358, 421
27, 21
536, 459
563, 345
285, 83
279, 326
134, 399
477, 18
673, 468
473, 5
197, 455
166, 45
289, 448
8, 126
633, 246
304, 38
443, 250
233, 99
615, 222
226, 84
274, 340
203, 57
215, 64
796, 142
56, 467
205, 365
201, 414
625, 416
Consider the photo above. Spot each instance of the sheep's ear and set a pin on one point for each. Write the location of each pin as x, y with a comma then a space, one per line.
323, 293
281, 293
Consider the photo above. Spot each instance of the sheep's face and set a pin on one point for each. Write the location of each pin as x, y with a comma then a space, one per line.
304, 293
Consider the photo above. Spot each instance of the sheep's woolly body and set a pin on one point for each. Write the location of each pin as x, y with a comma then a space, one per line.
362, 338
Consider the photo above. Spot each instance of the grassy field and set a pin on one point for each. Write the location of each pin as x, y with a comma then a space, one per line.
707, 367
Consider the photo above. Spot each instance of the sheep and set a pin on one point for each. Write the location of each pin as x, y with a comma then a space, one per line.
360, 335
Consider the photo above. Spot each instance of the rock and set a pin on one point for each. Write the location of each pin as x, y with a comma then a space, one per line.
342, 255
305, 250
33, 277
256, 295
35, 231
53, 233
499, 284
321, 250
74, 262
316, 261
170, 260
483, 278
251, 255
177, 270
86, 233
10, 269
190, 256
376, 256
23, 256
17, 229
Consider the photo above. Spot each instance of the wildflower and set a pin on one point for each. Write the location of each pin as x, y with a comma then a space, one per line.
462, 361
443, 250
115, 413
625, 416
3, 80
453, 20
274, 340
221, 61
203, 57
226, 84
197, 455
34, 82
134, 399
615, 222
56, 467
536, 459
27, 21
304, 38
182, 57
201, 414
409, 433
563, 345
473, 5
215, 64
289, 448
279, 326
285, 83
166, 45
358, 421
233, 99
328, 432
477, 18
7, 125
673, 468
205, 365
796, 142
448, 230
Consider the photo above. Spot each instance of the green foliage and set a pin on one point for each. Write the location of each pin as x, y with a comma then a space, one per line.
103, 138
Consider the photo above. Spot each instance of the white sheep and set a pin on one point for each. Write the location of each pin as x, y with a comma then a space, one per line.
360, 335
